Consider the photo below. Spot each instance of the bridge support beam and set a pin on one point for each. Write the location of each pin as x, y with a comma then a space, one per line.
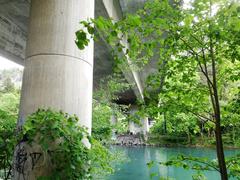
57, 75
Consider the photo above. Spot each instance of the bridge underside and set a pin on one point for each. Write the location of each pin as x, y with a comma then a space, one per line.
14, 20
56, 73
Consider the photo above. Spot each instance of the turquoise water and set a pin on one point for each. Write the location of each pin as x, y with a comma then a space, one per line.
136, 168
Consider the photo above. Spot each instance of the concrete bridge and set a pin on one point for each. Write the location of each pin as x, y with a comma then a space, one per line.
40, 34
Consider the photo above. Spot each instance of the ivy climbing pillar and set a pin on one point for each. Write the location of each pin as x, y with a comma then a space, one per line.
57, 75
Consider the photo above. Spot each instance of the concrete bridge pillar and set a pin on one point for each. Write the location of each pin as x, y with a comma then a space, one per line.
142, 128
113, 122
57, 75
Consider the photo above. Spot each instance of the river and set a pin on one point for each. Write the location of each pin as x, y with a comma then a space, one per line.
136, 168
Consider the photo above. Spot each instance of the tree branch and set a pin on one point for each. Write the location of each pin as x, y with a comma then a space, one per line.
201, 116
203, 162
209, 82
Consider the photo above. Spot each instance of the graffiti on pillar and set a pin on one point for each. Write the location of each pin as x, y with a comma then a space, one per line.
21, 158
25, 160
35, 156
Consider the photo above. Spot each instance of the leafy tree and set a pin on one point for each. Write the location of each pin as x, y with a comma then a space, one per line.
8, 85
105, 108
231, 116
193, 46
9, 102
10, 79
8, 141
102, 127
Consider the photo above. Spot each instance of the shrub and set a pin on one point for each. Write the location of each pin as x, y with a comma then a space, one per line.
7, 141
61, 139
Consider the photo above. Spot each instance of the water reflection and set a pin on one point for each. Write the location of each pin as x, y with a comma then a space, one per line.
136, 168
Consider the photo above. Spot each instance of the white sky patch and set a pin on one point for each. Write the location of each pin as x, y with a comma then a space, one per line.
7, 64
215, 8
187, 4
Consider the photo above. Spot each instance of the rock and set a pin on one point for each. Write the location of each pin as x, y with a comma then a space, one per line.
129, 140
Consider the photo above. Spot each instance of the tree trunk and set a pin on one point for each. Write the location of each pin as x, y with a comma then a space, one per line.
217, 116
220, 151
217, 112
165, 123
218, 136
234, 136
189, 138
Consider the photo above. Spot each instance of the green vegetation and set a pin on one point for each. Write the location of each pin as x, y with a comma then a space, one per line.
7, 141
202, 164
194, 95
61, 141
59, 138
105, 110
198, 54
9, 104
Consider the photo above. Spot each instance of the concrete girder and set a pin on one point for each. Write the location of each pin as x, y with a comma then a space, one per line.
113, 10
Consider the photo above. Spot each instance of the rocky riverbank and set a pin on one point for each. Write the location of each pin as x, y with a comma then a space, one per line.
129, 140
